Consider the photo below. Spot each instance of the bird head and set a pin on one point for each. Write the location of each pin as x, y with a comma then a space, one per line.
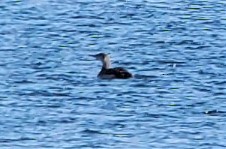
100, 56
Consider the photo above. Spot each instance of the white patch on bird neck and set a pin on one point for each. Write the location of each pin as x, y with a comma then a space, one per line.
106, 62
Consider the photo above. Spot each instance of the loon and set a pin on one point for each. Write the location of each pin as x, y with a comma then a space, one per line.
110, 73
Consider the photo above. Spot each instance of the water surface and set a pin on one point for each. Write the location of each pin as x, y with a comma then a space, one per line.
51, 97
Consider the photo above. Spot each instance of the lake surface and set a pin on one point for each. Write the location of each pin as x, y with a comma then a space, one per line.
50, 96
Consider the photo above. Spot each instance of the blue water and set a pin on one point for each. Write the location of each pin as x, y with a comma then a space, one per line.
51, 98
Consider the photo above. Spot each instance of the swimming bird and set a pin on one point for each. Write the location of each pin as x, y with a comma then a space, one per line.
110, 73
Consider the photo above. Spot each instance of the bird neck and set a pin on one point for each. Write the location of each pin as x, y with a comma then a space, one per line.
106, 63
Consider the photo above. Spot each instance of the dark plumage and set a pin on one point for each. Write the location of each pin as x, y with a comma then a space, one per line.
118, 72
110, 73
